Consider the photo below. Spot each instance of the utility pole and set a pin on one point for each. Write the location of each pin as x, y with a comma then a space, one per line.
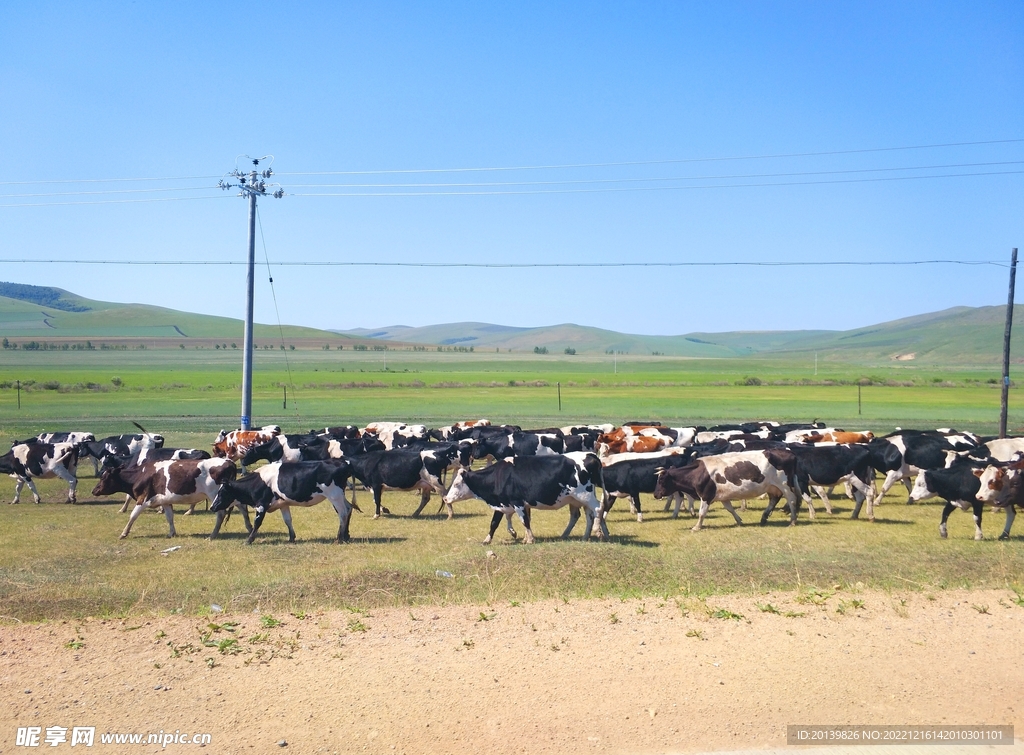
250, 186
1003, 405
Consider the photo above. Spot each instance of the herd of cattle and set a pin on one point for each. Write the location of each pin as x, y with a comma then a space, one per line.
534, 469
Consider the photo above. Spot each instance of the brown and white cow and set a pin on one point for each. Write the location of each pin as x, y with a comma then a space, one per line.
29, 460
237, 443
734, 476
838, 436
161, 484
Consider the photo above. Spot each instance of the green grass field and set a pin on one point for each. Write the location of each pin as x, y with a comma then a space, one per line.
172, 390
62, 561
59, 561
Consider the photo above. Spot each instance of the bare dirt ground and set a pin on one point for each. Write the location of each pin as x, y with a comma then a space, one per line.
640, 676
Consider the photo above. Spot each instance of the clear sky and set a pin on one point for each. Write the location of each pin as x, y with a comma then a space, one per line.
174, 90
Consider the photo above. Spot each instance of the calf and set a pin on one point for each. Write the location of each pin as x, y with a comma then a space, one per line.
161, 484
30, 460
281, 485
534, 482
734, 476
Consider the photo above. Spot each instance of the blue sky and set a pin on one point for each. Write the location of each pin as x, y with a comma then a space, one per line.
141, 90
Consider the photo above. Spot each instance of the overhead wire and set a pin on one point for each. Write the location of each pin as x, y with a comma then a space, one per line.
273, 293
517, 265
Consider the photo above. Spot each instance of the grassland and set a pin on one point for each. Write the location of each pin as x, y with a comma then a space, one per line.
59, 561
197, 390
62, 561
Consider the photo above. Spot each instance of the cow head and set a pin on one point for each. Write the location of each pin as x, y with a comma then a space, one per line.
110, 477
272, 450
993, 481
459, 490
225, 497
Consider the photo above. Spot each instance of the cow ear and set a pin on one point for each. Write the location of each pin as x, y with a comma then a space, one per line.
978, 472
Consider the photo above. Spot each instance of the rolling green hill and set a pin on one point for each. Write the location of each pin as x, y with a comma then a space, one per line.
956, 336
46, 313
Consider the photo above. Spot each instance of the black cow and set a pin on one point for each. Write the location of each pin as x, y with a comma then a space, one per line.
534, 482
631, 477
400, 469
281, 485
31, 459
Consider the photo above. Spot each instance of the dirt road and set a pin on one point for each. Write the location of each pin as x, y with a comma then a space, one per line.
640, 676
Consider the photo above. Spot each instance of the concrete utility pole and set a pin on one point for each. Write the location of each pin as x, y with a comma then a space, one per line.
1004, 403
250, 186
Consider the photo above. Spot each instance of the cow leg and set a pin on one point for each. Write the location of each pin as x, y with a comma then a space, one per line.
823, 495
169, 516
978, 508
344, 511
495, 521
524, 514
574, 516
700, 516
221, 515
32, 487
893, 476
378, 509
773, 501
65, 474
1011, 514
729, 507
18, 485
131, 519
946, 511
127, 500
424, 498
261, 513
598, 526
807, 496
286, 514
793, 502
510, 528
635, 506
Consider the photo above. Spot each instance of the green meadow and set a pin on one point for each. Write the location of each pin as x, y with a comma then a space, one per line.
197, 390
59, 561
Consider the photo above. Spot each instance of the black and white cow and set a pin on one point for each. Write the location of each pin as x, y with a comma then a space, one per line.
534, 482
922, 449
958, 485
126, 446
824, 465
162, 484
30, 459
291, 448
281, 485
401, 469
734, 476
339, 432
394, 434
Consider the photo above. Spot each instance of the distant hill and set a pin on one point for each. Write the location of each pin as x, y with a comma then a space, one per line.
45, 313
960, 335
956, 336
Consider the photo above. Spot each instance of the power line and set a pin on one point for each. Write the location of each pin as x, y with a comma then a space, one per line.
652, 162
826, 153
649, 188
662, 178
111, 201
522, 265
107, 191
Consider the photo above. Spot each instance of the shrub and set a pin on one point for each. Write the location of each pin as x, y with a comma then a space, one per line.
116, 381
540, 349
750, 381
569, 350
